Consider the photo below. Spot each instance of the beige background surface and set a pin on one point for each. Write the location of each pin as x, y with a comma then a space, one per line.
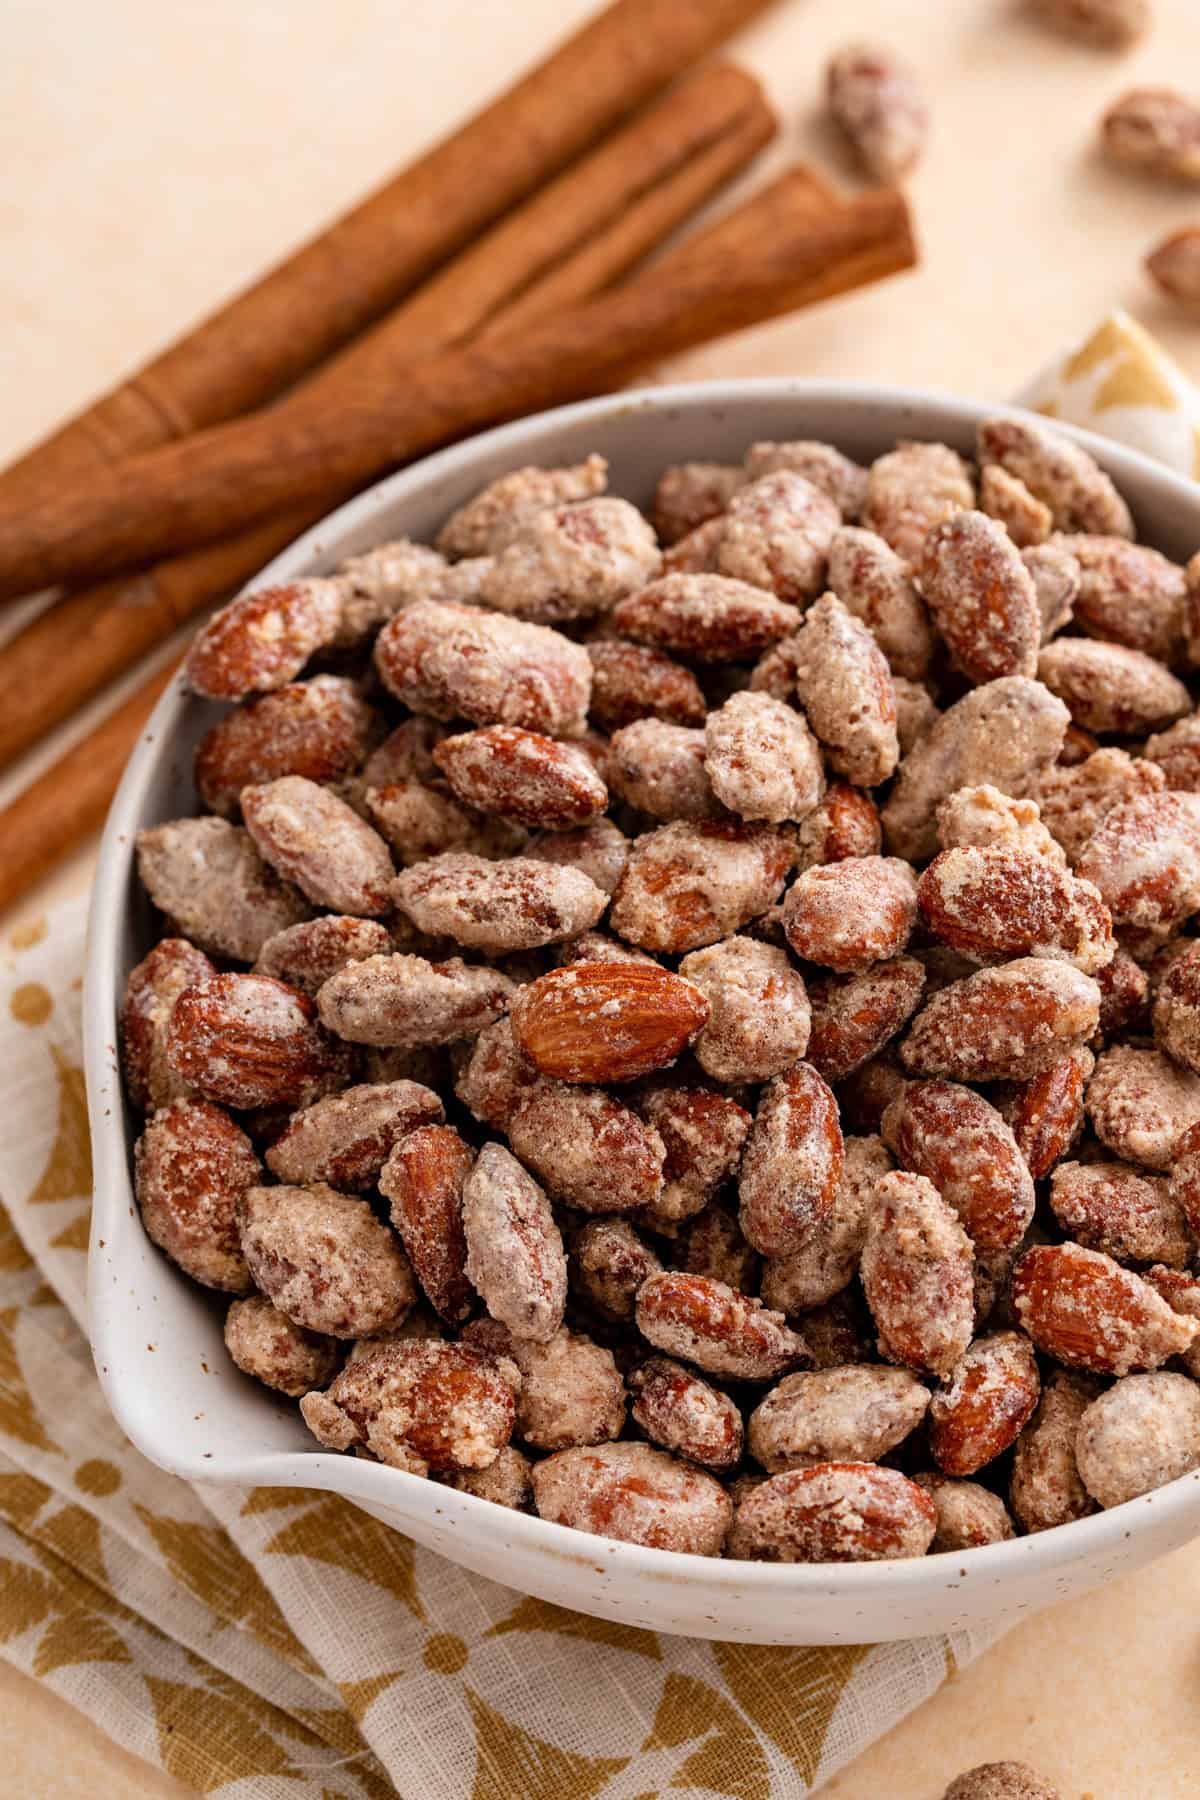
154, 158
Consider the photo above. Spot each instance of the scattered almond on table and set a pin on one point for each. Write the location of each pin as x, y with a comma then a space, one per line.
1110, 24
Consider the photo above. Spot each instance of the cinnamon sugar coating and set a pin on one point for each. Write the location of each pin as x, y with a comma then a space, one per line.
264, 1342
324, 1259
490, 519
209, 879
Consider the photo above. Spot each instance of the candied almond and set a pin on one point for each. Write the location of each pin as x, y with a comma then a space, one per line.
854, 1016
792, 1163
523, 776
777, 533
1176, 752
959, 1142
607, 1021
998, 903
723, 1332
608, 1264
694, 882
319, 729
1129, 594
1124, 991
828, 1261
716, 1249
407, 1001
917, 1273
1016, 1780
856, 1414
1174, 264
763, 762
1177, 1010
456, 661
874, 584
834, 1512
1058, 471
262, 639
1111, 689
968, 1514
571, 1392
685, 1414
848, 915
1085, 1310
344, 1139
599, 851
1155, 130
422, 1405
846, 823
910, 490
1005, 1023
572, 562
1185, 1176
845, 686
982, 597
518, 904
318, 842
1004, 497
1181, 1291
839, 1331
1046, 1113
423, 1180
986, 1403
696, 554
843, 480
495, 1077
248, 1040
876, 99
308, 954
703, 1134
758, 1021
589, 1150
1056, 581
631, 681
1006, 732
324, 1259
1075, 798
264, 1342
420, 821
1140, 1104
1142, 1433
1122, 1211
916, 712
985, 817
191, 1166
636, 1494
209, 879
488, 520
663, 770
515, 1256
690, 494
707, 618
506, 1482
1045, 1489
151, 991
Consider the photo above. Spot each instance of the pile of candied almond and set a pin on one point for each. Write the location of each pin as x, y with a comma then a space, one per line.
687, 1024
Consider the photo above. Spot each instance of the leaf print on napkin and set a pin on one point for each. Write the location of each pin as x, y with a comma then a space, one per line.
791, 1692
512, 1761
337, 1533
68, 1173
730, 1761
18, 1414
542, 1615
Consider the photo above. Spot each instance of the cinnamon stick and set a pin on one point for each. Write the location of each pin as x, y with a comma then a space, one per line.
71, 799
765, 259
324, 294
73, 650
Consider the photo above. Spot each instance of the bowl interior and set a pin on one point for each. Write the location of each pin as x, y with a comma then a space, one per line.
157, 1337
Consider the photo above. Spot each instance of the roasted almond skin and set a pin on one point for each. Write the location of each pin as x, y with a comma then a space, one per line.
603, 1022
723, 1332
247, 1040
792, 1164
1086, 1311
998, 903
986, 1404
959, 1142
918, 1275
423, 1179
834, 1512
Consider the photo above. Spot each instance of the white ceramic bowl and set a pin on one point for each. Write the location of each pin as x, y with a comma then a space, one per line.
157, 1337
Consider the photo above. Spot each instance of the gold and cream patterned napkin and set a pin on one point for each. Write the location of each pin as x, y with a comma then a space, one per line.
278, 1642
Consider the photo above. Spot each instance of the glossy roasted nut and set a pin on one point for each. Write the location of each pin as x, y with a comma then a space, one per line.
828, 1262
982, 597
707, 618
423, 1179
959, 1142
515, 1256
877, 100
151, 991
689, 494
1140, 1104
874, 584
845, 824
758, 1020
523, 776
1006, 1023
856, 1414
571, 1392
264, 1343
345, 1139
849, 915
1155, 130
1006, 732
1111, 689
1086, 1311
986, 1403
455, 661
247, 1041
324, 1259
191, 1166
1046, 1489
997, 903
722, 1331
792, 1164
984, 817
605, 1022
1045, 1114
855, 1016
572, 562
1142, 1433
636, 1494
762, 760
263, 639
845, 686
834, 1512
662, 770
319, 729
1122, 1211
686, 1415
777, 534
209, 879
703, 1134
489, 520
519, 904
917, 1273
607, 1265
631, 681
910, 490
968, 1514
1058, 471
403, 1002
589, 1150
306, 955
692, 883
316, 841
421, 1405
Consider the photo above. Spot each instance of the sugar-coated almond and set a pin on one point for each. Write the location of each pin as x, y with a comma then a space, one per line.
686, 1415
263, 639
150, 992
834, 1512
877, 100
689, 494
1142, 1433
1177, 1010
983, 817
690, 884
707, 618
345, 1139
264, 1343
1075, 797
1185, 1176
723, 1332
324, 1259
515, 1256
959, 1142
312, 838
997, 903
828, 1261
248, 1040
848, 915
762, 760
968, 1514
777, 534
423, 1180
518, 904
319, 729
844, 480
982, 597
716, 1248
1109, 688
1027, 520
856, 1414
1085, 1310
846, 823
589, 1150
1059, 471
306, 955
1128, 1214
607, 1265
1129, 594
1155, 130
495, 1076
599, 851
636, 1494
1057, 579
918, 1275
662, 770
406, 1001
875, 584
522, 775
703, 1134
792, 1164
207, 876
855, 1016
1045, 1114
845, 686
986, 1403
572, 561
571, 1392
758, 1020
631, 681
192, 1164
424, 1406
1016, 1780
488, 521
1045, 1489
910, 490
1140, 1104
1004, 1023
